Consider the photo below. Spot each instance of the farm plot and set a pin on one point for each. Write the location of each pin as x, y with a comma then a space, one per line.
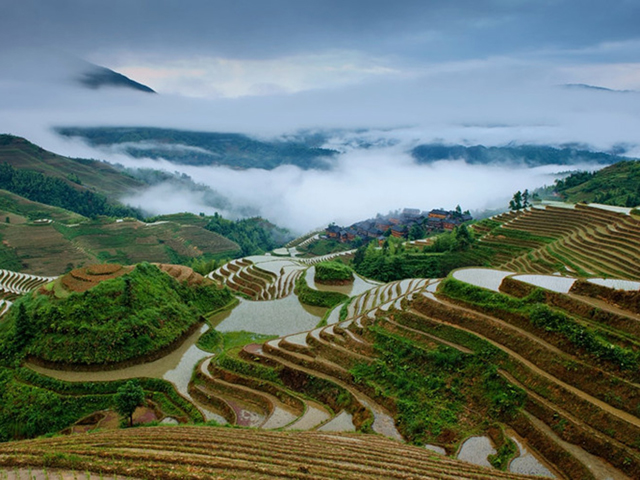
205, 452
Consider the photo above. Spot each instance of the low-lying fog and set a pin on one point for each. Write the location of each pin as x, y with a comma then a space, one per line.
491, 103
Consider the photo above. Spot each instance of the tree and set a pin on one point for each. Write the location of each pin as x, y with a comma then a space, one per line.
525, 199
129, 397
516, 201
463, 238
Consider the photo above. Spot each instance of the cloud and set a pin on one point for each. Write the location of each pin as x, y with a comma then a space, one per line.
378, 106
362, 183
229, 77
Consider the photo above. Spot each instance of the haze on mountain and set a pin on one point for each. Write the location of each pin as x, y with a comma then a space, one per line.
384, 76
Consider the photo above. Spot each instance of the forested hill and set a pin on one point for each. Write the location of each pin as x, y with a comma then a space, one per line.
618, 184
530, 155
81, 174
56, 192
204, 148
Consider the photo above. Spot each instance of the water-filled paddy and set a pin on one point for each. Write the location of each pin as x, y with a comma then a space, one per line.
274, 317
554, 283
482, 277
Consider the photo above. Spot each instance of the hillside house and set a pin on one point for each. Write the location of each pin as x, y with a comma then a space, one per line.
399, 231
439, 213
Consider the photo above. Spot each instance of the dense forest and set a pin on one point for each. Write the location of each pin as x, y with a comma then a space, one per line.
254, 235
56, 192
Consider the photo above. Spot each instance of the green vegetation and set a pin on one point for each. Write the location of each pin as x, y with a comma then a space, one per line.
333, 272
20, 206
506, 449
618, 184
131, 316
395, 261
519, 201
254, 235
543, 317
27, 411
32, 404
214, 341
316, 298
94, 175
58, 193
325, 246
433, 389
129, 397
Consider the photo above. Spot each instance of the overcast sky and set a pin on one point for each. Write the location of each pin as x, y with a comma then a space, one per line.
488, 72
233, 48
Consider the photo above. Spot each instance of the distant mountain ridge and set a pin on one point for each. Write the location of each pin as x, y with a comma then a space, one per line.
204, 148
97, 77
306, 151
529, 155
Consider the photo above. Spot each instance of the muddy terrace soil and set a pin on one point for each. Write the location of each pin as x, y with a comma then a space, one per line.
207, 452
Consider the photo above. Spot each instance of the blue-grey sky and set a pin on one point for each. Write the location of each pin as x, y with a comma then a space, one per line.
399, 73
200, 47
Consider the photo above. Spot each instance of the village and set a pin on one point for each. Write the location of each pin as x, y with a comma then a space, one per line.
410, 223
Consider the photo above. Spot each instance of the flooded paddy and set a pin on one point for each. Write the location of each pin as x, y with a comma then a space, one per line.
554, 283
628, 285
175, 367
281, 317
343, 422
476, 450
527, 464
482, 277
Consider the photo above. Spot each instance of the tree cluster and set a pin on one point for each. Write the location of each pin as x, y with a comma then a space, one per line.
254, 236
58, 193
519, 201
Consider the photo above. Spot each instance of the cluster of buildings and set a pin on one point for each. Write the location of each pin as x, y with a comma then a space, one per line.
400, 224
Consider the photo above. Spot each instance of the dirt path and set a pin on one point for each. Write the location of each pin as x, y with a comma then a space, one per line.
627, 417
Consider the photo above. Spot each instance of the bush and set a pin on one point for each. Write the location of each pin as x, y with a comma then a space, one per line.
333, 272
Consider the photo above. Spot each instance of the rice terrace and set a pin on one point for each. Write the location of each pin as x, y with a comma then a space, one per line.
293, 365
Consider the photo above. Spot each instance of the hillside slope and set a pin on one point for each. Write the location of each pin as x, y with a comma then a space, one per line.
91, 174
618, 184
31, 243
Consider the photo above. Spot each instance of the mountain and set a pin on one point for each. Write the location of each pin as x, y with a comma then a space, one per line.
529, 155
583, 86
204, 148
98, 77
81, 174
618, 184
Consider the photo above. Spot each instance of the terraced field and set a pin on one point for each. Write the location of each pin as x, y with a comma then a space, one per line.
14, 284
580, 240
573, 394
205, 453
265, 277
